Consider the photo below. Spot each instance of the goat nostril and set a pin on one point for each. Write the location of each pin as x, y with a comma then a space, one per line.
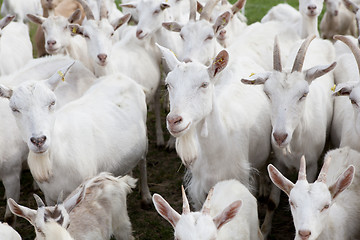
138, 33
174, 120
280, 138
51, 42
102, 57
304, 234
38, 141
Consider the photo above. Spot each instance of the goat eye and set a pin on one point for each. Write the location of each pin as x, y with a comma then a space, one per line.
267, 94
292, 204
182, 36
303, 96
209, 38
325, 207
51, 104
167, 86
157, 11
204, 85
15, 110
353, 101
86, 36
112, 34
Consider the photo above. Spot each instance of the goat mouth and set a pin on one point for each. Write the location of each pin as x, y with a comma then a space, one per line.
103, 64
177, 132
312, 13
52, 50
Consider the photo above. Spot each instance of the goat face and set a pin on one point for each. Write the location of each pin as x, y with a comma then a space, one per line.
333, 6
311, 8
56, 33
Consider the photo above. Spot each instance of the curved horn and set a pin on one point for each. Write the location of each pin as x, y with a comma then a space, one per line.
38, 200
206, 207
302, 170
276, 57
209, 6
87, 10
354, 49
300, 57
193, 7
103, 10
186, 207
324, 170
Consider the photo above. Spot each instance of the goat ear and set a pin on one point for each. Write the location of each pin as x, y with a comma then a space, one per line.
221, 21
172, 26
76, 29
120, 21
72, 201
199, 7
6, 20
54, 80
5, 92
21, 211
256, 79
219, 63
279, 180
164, 6
169, 56
343, 182
315, 72
237, 6
345, 88
75, 16
128, 5
165, 210
227, 214
351, 6
36, 19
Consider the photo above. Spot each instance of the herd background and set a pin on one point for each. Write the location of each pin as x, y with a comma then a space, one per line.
165, 172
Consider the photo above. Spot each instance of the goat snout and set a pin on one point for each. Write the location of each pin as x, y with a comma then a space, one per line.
51, 43
187, 60
304, 234
138, 34
311, 7
280, 137
174, 120
38, 141
102, 57
336, 12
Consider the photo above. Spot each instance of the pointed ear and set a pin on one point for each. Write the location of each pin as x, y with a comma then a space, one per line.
21, 211
219, 63
227, 214
36, 19
120, 21
172, 26
279, 180
343, 182
75, 16
345, 88
351, 6
256, 79
76, 29
5, 92
199, 7
164, 6
318, 71
165, 210
237, 6
6, 20
221, 21
129, 5
60, 75
169, 56
72, 201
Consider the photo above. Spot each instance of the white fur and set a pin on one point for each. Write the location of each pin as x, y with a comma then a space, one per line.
21, 8
8, 233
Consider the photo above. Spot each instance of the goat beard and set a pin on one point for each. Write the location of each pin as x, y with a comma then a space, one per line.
40, 166
186, 148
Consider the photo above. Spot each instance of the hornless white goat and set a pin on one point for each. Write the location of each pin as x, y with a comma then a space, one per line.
327, 209
337, 20
20, 8
230, 212
77, 82
15, 45
8, 233
58, 39
302, 109
216, 121
282, 12
96, 210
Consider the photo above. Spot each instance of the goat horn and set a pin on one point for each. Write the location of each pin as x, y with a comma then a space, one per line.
206, 207
87, 10
324, 170
355, 50
193, 7
302, 170
300, 57
186, 207
103, 10
38, 200
276, 57
60, 199
208, 8
237, 6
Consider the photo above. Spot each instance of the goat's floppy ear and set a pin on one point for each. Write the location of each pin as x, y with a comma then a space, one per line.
343, 182
76, 29
227, 214
172, 26
54, 80
36, 19
315, 72
219, 63
256, 79
345, 88
75, 16
6, 20
5, 92
120, 21
221, 21
279, 180
21, 211
169, 56
165, 210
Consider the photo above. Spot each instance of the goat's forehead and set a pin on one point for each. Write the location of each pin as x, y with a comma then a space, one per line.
195, 226
32, 89
280, 82
310, 194
55, 20
193, 28
192, 72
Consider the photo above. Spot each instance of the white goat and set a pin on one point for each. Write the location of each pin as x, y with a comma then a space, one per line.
302, 109
8, 233
96, 210
282, 12
58, 39
328, 208
15, 45
215, 119
110, 117
353, 7
230, 212
20, 8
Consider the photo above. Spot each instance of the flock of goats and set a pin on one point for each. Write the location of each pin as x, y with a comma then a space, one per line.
77, 113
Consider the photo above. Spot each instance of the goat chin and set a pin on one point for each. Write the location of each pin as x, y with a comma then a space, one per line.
40, 166
186, 147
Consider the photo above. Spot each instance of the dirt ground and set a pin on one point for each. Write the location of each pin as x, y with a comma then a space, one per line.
165, 174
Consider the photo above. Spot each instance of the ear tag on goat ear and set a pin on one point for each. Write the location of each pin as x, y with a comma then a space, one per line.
333, 88
219, 60
252, 74
172, 52
61, 75
224, 20
74, 30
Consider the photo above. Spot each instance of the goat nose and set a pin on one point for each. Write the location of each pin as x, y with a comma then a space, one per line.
312, 7
304, 234
280, 137
38, 141
138, 33
102, 57
336, 12
51, 42
174, 120
186, 60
